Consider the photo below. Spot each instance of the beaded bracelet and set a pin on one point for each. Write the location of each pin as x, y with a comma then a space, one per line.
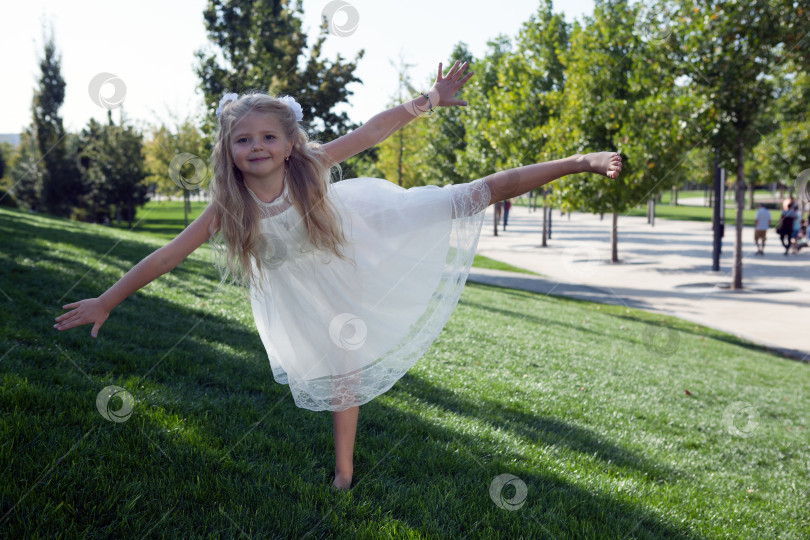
430, 104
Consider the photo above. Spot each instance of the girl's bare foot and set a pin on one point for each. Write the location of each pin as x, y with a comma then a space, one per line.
605, 163
341, 483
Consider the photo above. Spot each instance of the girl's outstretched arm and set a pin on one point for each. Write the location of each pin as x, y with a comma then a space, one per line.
96, 310
380, 126
513, 182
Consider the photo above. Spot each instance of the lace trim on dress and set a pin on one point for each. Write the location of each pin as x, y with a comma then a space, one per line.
469, 199
274, 207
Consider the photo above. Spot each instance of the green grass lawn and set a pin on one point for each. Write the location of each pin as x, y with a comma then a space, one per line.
699, 213
481, 261
619, 423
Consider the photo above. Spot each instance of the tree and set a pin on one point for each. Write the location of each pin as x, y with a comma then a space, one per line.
113, 167
530, 83
27, 173
528, 95
784, 151
444, 134
618, 96
478, 157
729, 53
176, 160
399, 156
60, 182
258, 44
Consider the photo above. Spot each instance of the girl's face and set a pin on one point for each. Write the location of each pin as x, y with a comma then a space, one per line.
259, 146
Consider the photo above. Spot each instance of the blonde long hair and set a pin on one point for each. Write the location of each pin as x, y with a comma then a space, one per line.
238, 241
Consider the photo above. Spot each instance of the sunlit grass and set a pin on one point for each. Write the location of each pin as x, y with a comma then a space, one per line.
620, 423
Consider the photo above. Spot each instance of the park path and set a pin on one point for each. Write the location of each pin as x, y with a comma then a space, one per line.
664, 269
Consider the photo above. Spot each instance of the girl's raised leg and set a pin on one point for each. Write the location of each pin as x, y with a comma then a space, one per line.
513, 182
345, 425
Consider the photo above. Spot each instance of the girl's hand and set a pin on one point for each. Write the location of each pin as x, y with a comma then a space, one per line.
82, 312
450, 85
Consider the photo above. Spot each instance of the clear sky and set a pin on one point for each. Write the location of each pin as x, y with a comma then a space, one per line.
149, 45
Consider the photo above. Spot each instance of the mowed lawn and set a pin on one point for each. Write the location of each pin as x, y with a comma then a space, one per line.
613, 423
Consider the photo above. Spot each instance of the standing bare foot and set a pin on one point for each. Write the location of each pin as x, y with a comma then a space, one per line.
342, 483
605, 163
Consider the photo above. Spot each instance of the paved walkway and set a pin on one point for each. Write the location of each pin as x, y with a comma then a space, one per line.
665, 269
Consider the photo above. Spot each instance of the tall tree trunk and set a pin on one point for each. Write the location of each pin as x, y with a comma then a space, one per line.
186, 206
751, 200
614, 239
546, 212
739, 192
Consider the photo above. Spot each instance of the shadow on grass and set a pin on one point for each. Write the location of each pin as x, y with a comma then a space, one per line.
453, 471
215, 447
123, 254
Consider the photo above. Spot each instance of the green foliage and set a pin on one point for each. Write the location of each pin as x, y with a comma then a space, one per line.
618, 96
8, 155
27, 173
730, 51
113, 169
443, 134
785, 150
527, 94
7, 199
177, 160
479, 156
258, 45
61, 183
399, 157
726, 49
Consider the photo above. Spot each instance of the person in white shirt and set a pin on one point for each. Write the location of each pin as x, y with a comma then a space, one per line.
762, 221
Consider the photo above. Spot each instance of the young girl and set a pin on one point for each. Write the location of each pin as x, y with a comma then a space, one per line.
349, 282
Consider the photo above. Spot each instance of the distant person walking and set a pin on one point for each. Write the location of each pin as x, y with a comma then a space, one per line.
787, 231
507, 204
797, 226
762, 222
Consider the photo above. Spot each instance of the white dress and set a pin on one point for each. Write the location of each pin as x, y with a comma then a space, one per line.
343, 332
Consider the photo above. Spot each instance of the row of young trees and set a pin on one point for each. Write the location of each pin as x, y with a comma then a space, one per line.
669, 84
109, 169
